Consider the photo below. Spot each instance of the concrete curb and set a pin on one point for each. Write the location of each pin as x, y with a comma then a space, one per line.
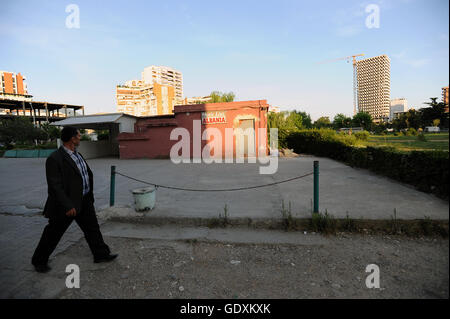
414, 228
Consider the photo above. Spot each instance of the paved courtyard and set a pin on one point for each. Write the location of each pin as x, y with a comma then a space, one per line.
343, 189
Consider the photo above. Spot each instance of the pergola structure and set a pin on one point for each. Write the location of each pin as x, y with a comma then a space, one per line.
38, 111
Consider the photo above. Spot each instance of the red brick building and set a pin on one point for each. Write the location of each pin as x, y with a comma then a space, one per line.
151, 137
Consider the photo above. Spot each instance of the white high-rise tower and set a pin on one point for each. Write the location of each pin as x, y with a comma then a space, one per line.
374, 86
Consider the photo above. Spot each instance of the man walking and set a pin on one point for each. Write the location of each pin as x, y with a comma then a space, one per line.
70, 197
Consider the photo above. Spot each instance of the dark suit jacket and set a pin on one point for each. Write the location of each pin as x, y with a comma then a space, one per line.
65, 184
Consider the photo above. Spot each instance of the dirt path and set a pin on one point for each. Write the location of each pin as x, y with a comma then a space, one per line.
331, 268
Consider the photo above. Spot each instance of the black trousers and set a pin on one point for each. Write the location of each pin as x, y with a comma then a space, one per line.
57, 226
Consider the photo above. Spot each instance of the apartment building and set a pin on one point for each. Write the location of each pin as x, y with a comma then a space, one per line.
140, 99
374, 87
274, 109
158, 91
398, 106
196, 100
445, 97
13, 86
165, 75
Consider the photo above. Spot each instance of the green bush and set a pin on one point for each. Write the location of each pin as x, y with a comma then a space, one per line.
363, 136
411, 132
322, 142
102, 135
47, 146
85, 137
426, 170
421, 138
24, 146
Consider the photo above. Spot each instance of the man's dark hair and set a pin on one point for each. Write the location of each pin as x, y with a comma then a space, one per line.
68, 132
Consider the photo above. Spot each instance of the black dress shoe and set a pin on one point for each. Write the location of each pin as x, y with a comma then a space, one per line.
42, 268
105, 258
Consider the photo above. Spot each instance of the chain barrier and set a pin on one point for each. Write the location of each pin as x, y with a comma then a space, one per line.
214, 190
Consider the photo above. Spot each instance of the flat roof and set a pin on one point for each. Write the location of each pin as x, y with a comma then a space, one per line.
92, 119
15, 104
219, 106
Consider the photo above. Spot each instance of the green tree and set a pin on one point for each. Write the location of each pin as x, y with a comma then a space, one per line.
379, 128
413, 119
215, 97
50, 132
436, 111
19, 130
289, 120
340, 121
286, 122
295, 120
322, 122
306, 119
102, 135
219, 97
228, 97
364, 120
399, 123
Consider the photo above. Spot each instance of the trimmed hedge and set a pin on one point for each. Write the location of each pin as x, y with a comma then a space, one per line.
426, 170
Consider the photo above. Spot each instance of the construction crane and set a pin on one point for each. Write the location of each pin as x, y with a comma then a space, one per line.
355, 80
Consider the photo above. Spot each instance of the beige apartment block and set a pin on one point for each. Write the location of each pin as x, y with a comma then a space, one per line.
274, 109
140, 99
158, 91
165, 75
196, 100
374, 86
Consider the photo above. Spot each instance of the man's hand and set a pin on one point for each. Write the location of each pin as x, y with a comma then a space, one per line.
72, 212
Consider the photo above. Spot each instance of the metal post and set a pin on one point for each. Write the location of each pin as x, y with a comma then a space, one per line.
316, 186
112, 186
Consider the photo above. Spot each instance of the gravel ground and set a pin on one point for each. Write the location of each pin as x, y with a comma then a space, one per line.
151, 268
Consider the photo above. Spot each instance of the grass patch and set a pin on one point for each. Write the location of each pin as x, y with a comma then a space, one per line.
222, 221
394, 225
430, 141
323, 223
288, 221
424, 227
348, 224
327, 224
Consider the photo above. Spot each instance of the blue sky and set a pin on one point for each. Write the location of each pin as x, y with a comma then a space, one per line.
257, 49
